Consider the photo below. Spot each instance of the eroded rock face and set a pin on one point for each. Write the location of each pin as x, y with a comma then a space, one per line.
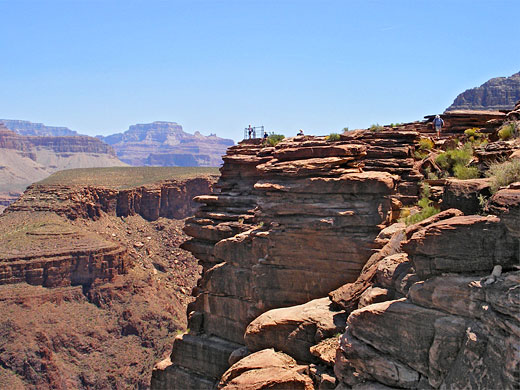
287, 225
499, 93
455, 325
169, 199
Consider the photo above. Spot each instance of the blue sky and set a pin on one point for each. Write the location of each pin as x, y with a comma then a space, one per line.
216, 66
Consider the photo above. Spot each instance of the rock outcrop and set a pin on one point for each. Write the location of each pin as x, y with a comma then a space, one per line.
291, 243
455, 326
168, 198
500, 93
166, 144
285, 226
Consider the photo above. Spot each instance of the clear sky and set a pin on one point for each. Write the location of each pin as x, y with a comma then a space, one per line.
217, 66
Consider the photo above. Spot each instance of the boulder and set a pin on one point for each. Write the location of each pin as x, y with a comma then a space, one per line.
464, 194
266, 369
295, 329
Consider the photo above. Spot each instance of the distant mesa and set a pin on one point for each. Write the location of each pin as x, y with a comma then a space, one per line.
500, 93
27, 159
37, 129
167, 144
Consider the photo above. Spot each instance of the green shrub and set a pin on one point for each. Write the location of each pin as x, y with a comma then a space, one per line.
426, 144
333, 137
376, 127
464, 173
420, 154
509, 130
503, 173
427, 210
345, 129
274, 139
474, 131
448, 159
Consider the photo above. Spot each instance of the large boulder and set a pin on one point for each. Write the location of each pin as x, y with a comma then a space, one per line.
266, 369
295, 329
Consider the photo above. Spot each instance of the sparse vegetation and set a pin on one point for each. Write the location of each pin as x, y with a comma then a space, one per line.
345, 129
454, 157
332, 137
503, 173
427, 209
124, 177
464, 173
274, 139
376, 127
509, 130
426, 144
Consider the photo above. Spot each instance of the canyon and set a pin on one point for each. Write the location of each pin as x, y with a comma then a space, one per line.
310, 282
28, 159
93, 284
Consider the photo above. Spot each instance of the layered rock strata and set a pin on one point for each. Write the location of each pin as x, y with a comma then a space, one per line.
456, 325
499, 93
169, 198
286, 225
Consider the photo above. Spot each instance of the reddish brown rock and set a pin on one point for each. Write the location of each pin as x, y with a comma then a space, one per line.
460, 244
464, 194
266, 369
295, 329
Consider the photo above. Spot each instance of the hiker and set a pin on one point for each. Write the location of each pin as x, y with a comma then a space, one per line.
300, 133
438, 123
265, 135
250, 131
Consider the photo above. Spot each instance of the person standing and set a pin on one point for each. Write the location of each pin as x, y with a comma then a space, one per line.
250, 131
438, 123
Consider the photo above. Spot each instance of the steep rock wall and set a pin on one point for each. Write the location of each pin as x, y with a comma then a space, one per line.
284, 226
171, 199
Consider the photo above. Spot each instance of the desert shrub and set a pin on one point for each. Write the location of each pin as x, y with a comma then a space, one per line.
274, 139
333, 137
376, 127
452, 157
503, 173
345, 129
427, 209
420, 154
464, 173
426, 144
474, 131
431, 175
509, 130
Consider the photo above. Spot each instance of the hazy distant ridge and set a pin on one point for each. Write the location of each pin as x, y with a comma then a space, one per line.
37, 129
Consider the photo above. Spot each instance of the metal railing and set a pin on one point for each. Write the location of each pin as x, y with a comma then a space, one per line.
254, 132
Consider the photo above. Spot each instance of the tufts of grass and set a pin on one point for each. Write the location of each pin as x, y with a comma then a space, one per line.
376, 127
332, 137
427, 209
503, 173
